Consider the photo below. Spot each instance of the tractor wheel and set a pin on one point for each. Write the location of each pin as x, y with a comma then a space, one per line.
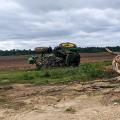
38, 65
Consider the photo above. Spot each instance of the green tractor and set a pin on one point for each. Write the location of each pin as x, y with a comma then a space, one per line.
66, 54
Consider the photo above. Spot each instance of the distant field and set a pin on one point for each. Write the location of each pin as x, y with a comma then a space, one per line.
20, 62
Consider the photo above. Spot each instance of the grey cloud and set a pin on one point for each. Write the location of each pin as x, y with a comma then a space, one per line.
28, 23
50, 5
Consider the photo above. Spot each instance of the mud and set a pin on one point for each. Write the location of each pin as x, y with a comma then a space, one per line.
96, 100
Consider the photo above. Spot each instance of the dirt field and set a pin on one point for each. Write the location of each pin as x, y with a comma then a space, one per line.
20, 62
95, 100
98, 100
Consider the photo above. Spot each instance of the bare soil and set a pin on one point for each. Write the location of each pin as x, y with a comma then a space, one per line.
20, 62
96, 100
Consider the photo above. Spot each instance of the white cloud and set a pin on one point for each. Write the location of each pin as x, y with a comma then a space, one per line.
7, 5
27, 24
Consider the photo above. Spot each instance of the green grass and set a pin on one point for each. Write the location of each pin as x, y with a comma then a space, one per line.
85, 72
70, 110
116, 101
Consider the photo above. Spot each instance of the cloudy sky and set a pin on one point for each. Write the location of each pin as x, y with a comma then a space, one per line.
31, 23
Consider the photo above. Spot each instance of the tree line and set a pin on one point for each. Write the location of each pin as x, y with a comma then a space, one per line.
82, 50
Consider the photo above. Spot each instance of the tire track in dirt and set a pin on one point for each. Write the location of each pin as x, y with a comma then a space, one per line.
95, 100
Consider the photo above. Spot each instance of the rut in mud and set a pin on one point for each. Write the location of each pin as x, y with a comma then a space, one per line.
98, 100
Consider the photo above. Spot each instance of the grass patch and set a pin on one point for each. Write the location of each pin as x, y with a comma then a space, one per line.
116, 101
70, 110
85, 72
3, 99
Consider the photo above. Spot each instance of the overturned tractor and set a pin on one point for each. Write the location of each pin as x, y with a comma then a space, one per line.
116, 60
66, 54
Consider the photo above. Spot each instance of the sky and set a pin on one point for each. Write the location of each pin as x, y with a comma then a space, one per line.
26, 24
